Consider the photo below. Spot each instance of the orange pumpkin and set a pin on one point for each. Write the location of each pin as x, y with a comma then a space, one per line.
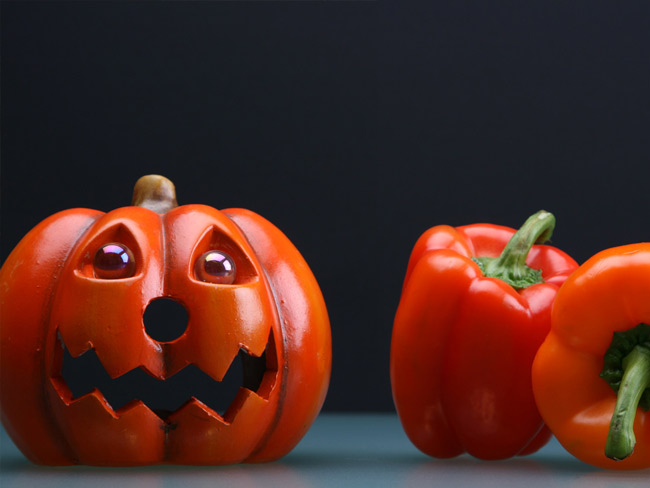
81, 280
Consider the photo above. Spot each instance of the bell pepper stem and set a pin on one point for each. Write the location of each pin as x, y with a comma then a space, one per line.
511, 266
537, 228
636, 378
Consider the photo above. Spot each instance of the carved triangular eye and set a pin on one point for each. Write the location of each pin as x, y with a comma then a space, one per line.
114, 261
215, 267
113, 253
222, 259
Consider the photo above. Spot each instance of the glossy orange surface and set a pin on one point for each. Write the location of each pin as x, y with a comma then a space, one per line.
463, 344
608, 293
51, 297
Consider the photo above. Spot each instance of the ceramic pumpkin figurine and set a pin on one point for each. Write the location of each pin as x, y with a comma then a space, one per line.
80, 283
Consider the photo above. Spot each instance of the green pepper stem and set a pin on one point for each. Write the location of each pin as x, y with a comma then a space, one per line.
636, 378
511, 266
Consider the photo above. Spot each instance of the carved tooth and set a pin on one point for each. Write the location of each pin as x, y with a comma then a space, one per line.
132, 406
256, 348
117, 362
62, 390
196, 409
75, 348
90, 403
243, 396
216, 362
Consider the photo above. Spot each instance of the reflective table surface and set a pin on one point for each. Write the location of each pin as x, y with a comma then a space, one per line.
340, 450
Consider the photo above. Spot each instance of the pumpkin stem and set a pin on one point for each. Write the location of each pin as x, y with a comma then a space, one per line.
156, 193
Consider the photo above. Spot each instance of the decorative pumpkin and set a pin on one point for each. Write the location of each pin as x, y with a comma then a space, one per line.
81, 281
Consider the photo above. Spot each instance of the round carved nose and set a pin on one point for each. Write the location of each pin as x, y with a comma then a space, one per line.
165, 320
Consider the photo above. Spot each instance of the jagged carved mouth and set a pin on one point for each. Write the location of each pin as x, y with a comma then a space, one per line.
84, 375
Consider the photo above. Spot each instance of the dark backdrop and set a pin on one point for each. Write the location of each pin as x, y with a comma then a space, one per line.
353, 126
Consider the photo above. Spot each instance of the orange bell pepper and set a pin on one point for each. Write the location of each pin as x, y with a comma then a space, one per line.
591, 377
465, 335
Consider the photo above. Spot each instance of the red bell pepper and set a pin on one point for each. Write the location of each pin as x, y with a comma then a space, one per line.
475, 306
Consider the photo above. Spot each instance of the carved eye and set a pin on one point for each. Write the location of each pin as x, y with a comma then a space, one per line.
114, 261
215, 267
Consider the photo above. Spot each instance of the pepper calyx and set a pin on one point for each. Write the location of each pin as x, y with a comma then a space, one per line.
621, 346
511, 266
627, 370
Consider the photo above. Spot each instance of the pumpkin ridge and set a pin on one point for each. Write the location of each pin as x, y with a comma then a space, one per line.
62, 439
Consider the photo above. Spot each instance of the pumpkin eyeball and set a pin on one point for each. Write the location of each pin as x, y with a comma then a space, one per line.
114, 261
215, 267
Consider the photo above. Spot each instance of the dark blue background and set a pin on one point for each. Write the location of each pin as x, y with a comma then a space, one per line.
353, 126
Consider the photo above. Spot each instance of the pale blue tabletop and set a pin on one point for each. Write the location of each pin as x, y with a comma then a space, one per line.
339, 451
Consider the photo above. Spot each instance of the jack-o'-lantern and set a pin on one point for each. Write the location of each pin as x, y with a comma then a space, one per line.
79, 285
